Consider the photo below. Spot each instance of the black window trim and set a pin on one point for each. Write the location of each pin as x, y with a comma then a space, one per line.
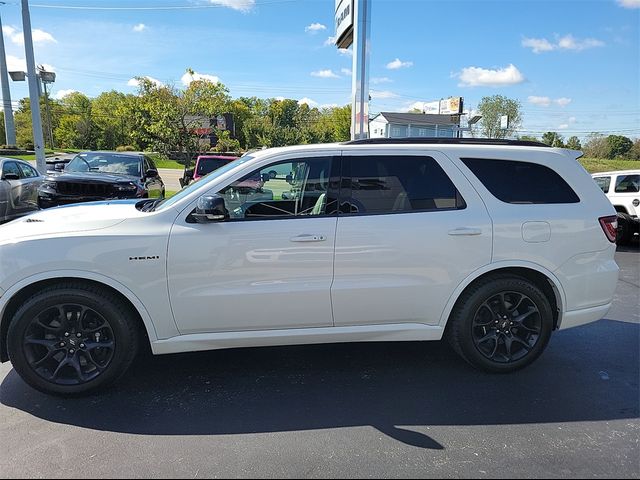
17, 167
346, 173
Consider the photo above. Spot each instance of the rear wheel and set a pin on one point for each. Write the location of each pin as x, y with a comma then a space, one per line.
625, 229
72, 339
501, 324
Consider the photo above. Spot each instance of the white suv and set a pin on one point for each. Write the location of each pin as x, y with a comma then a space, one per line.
492, 244
623, 189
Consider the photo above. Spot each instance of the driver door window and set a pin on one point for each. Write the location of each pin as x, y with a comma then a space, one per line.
296, 188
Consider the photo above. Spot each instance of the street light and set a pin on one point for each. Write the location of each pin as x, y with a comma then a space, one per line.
46, 78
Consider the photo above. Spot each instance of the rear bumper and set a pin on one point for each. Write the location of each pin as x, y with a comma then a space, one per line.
583, 316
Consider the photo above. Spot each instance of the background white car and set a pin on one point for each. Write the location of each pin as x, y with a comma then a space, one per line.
623, 190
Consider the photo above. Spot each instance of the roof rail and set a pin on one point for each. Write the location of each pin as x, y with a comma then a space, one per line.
444, 141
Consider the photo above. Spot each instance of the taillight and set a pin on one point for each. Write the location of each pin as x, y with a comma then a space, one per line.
610, 227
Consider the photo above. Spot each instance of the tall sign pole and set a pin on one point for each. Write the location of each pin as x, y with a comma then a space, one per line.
353, 27
9, 125
34, 90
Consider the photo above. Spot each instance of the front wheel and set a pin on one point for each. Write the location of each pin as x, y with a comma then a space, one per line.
72, 339
501, 324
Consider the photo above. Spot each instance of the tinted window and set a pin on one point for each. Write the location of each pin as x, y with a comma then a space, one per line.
603, 183
394, 184
296, 188
11, 167
208, 165
521, 182
27, 171
628, 184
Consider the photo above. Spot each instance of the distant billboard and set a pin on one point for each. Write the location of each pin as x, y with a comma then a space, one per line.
432, 108
451, 106
344, 23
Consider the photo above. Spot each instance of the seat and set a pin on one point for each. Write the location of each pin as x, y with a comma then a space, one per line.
318, 208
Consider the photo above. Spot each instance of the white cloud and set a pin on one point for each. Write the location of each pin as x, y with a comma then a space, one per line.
60, 94
134, 82
629, 3
538, 44
567, 42
38, 35
572, 119
279, 99
542, 101
381, 94
187, 78
415, 106
546, 101
482, 77
397, 63
564, 126
324, 74
141, 27
15, 64
379, 80
308, 101
346, 71
345, 52
315, 28
330, 41
241, 5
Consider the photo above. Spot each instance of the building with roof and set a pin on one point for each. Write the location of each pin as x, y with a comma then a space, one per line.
402, 125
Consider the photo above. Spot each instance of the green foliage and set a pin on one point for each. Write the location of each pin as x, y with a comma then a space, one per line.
226, 143
491, 109
574, 143
126, 148
553, 139
529, 138
634, 152
618, 146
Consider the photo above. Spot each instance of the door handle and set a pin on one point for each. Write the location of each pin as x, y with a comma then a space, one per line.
468, 231
308, 238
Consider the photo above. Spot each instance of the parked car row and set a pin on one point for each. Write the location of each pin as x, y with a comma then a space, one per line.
88, 177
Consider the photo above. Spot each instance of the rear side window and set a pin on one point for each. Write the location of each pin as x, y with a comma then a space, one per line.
27, 171
521, 182
603, 183
396, 184
628, 184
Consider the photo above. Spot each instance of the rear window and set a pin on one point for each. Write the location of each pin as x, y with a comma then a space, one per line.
628, 184
208, 165
603, 183
521, 182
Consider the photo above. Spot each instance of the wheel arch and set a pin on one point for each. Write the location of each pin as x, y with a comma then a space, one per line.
14, 296
538, 275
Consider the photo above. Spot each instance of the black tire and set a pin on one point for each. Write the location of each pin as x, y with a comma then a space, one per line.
476, 329
625, 229
98, 329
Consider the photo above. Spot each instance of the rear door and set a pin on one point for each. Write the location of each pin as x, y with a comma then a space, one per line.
410, 230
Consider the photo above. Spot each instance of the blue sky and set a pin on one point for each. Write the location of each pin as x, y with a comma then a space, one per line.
574, 65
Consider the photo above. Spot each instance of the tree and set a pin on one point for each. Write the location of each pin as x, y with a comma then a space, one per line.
596, 146
553, 139
108, 114
634, 153
76, 128
494, 107
529, 138
618, 146
574, 143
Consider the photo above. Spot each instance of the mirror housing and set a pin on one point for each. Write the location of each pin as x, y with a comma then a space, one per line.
210, 208
58, 167
289, 179
151, 173
11, 176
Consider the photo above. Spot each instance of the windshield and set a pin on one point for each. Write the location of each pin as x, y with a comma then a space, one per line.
105, 163
208, 165
194, 186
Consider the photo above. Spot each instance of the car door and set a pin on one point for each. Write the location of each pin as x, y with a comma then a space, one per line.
31, 180
270, 265
16, 198
410, 229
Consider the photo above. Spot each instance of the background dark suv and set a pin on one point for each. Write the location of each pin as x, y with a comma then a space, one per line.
94, 176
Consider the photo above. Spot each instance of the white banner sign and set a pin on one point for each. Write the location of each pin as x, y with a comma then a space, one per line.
344, 23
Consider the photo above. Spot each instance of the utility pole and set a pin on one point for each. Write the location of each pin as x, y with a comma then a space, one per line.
46, 78
360, 79
9, 125
34, 96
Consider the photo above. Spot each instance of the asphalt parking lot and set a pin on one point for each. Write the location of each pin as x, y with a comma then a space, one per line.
377, 410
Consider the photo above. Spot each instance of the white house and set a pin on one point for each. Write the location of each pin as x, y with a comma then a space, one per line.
402, 125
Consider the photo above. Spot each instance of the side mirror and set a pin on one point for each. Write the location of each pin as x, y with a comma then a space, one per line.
210, 208
58, 167
265, 177
289, 179
151, 173
11, 176
188, 173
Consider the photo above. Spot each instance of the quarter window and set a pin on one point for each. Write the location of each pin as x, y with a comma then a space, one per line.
297, 188
396, 184
628, 184
521, 182
603, 183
